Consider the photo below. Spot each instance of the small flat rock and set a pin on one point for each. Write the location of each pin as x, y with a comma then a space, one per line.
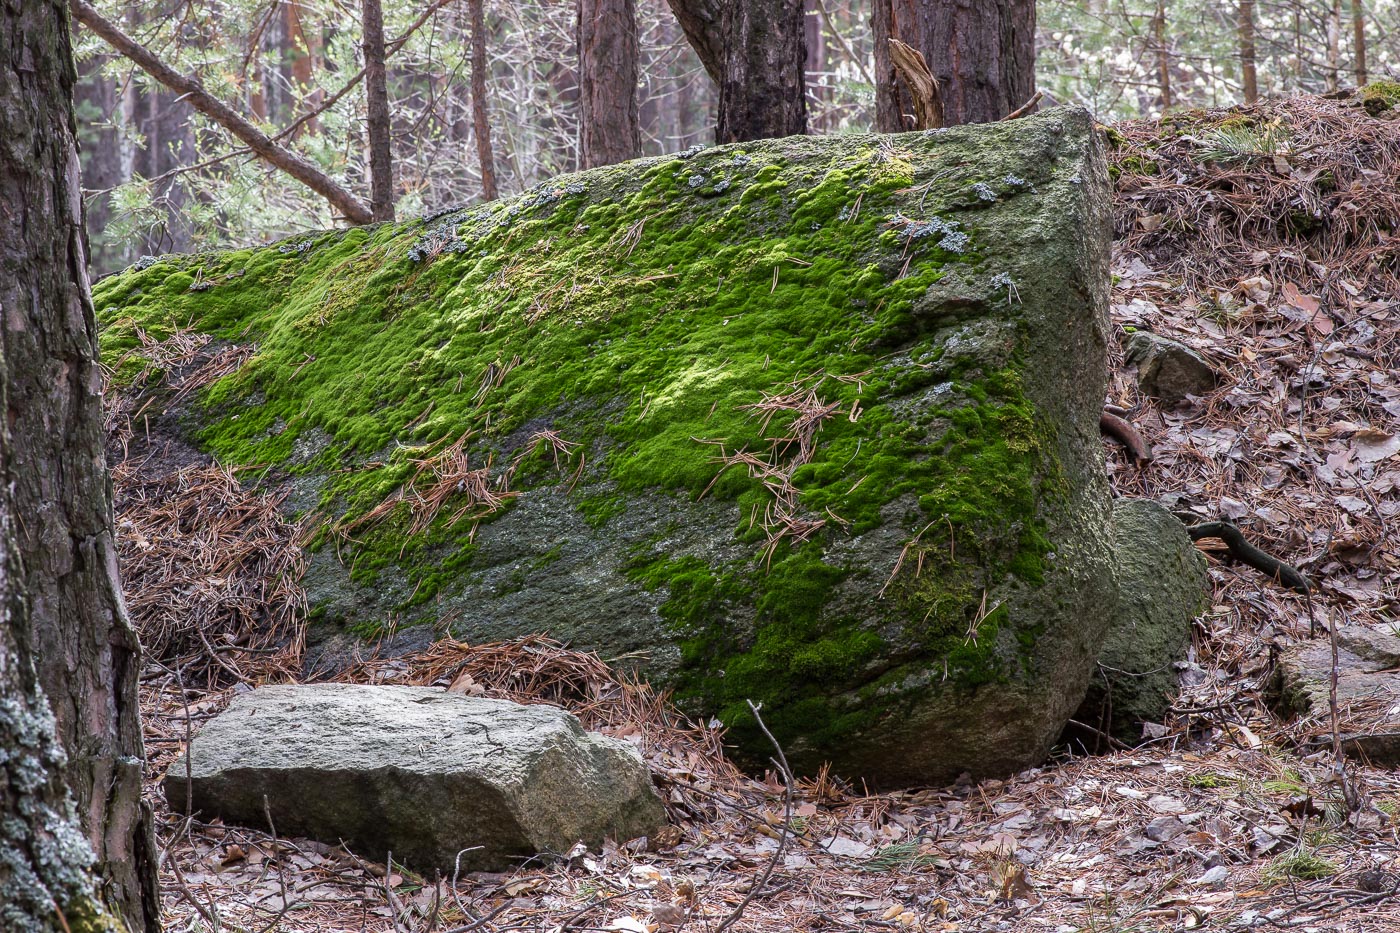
1368, 689
417, 771
1168, 370
1164, 829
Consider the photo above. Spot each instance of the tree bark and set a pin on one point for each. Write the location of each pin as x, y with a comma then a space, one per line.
1334, 46
702, 21
1358, 31
252, 137
609, 129
762, 91
890, 105
814, 41
60, 602
982, 52
755, 51
1249, 75
481, 120
1162, 51
914, 74
377, 123
304, 47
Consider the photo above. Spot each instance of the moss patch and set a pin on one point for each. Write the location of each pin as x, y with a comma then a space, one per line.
1380, 96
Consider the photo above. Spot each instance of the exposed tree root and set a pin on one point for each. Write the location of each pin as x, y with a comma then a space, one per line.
1110, 425
1243, 551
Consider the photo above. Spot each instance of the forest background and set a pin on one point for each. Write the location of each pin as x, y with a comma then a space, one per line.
160, 177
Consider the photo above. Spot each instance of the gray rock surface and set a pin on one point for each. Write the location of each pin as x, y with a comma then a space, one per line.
1368, 691
1169, 370
417, 771
1163, 585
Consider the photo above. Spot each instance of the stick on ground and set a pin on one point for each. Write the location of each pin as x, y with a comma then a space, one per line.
1241, 550
789, 782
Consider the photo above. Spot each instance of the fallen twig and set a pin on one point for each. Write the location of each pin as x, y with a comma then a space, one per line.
789, 782
1246, 553
1025, 108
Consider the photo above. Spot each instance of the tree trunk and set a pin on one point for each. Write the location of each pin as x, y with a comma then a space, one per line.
761, 89
814, 40
304, 49
608, 126
377, 123
702, 21
1249, 76
59, 598
1358, 30
1162, 51
481, 122
890, 104
102, 150
755, 50
255, 139
982, 52
1334, 46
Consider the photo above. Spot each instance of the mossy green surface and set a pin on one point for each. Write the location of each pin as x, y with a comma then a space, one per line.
606, 344
1380, 96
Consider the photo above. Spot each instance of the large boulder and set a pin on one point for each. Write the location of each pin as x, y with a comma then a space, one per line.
810, 422
1163, 584
416, 771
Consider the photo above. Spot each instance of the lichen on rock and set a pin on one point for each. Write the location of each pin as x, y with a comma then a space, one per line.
809, 422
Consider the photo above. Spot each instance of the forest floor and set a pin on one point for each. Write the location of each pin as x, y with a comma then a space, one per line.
1265, 238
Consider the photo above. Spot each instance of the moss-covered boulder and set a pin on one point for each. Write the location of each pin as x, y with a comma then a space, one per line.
1163, 585
810, 422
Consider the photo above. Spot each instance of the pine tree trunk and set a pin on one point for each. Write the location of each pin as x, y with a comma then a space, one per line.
377, 121
814, 39
1334, 46
761, 86
608, 126
1358, 31
1248, 71
890, 107
58, 573
1162, 50
304, 50
982, 52
755, 50
481, 120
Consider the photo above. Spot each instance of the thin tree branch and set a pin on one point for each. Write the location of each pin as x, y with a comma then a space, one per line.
789, 783
200, 98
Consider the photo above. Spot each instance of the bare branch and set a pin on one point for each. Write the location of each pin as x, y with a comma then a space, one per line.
255, 139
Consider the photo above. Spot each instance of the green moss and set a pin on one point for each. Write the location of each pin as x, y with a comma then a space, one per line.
1135, 165
1209, 780
694, 317
1380, 96
989, 462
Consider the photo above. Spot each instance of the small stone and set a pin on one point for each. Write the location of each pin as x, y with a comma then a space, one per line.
1168, 370
1164, 829
417, 771
1212, 878
1375, 881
